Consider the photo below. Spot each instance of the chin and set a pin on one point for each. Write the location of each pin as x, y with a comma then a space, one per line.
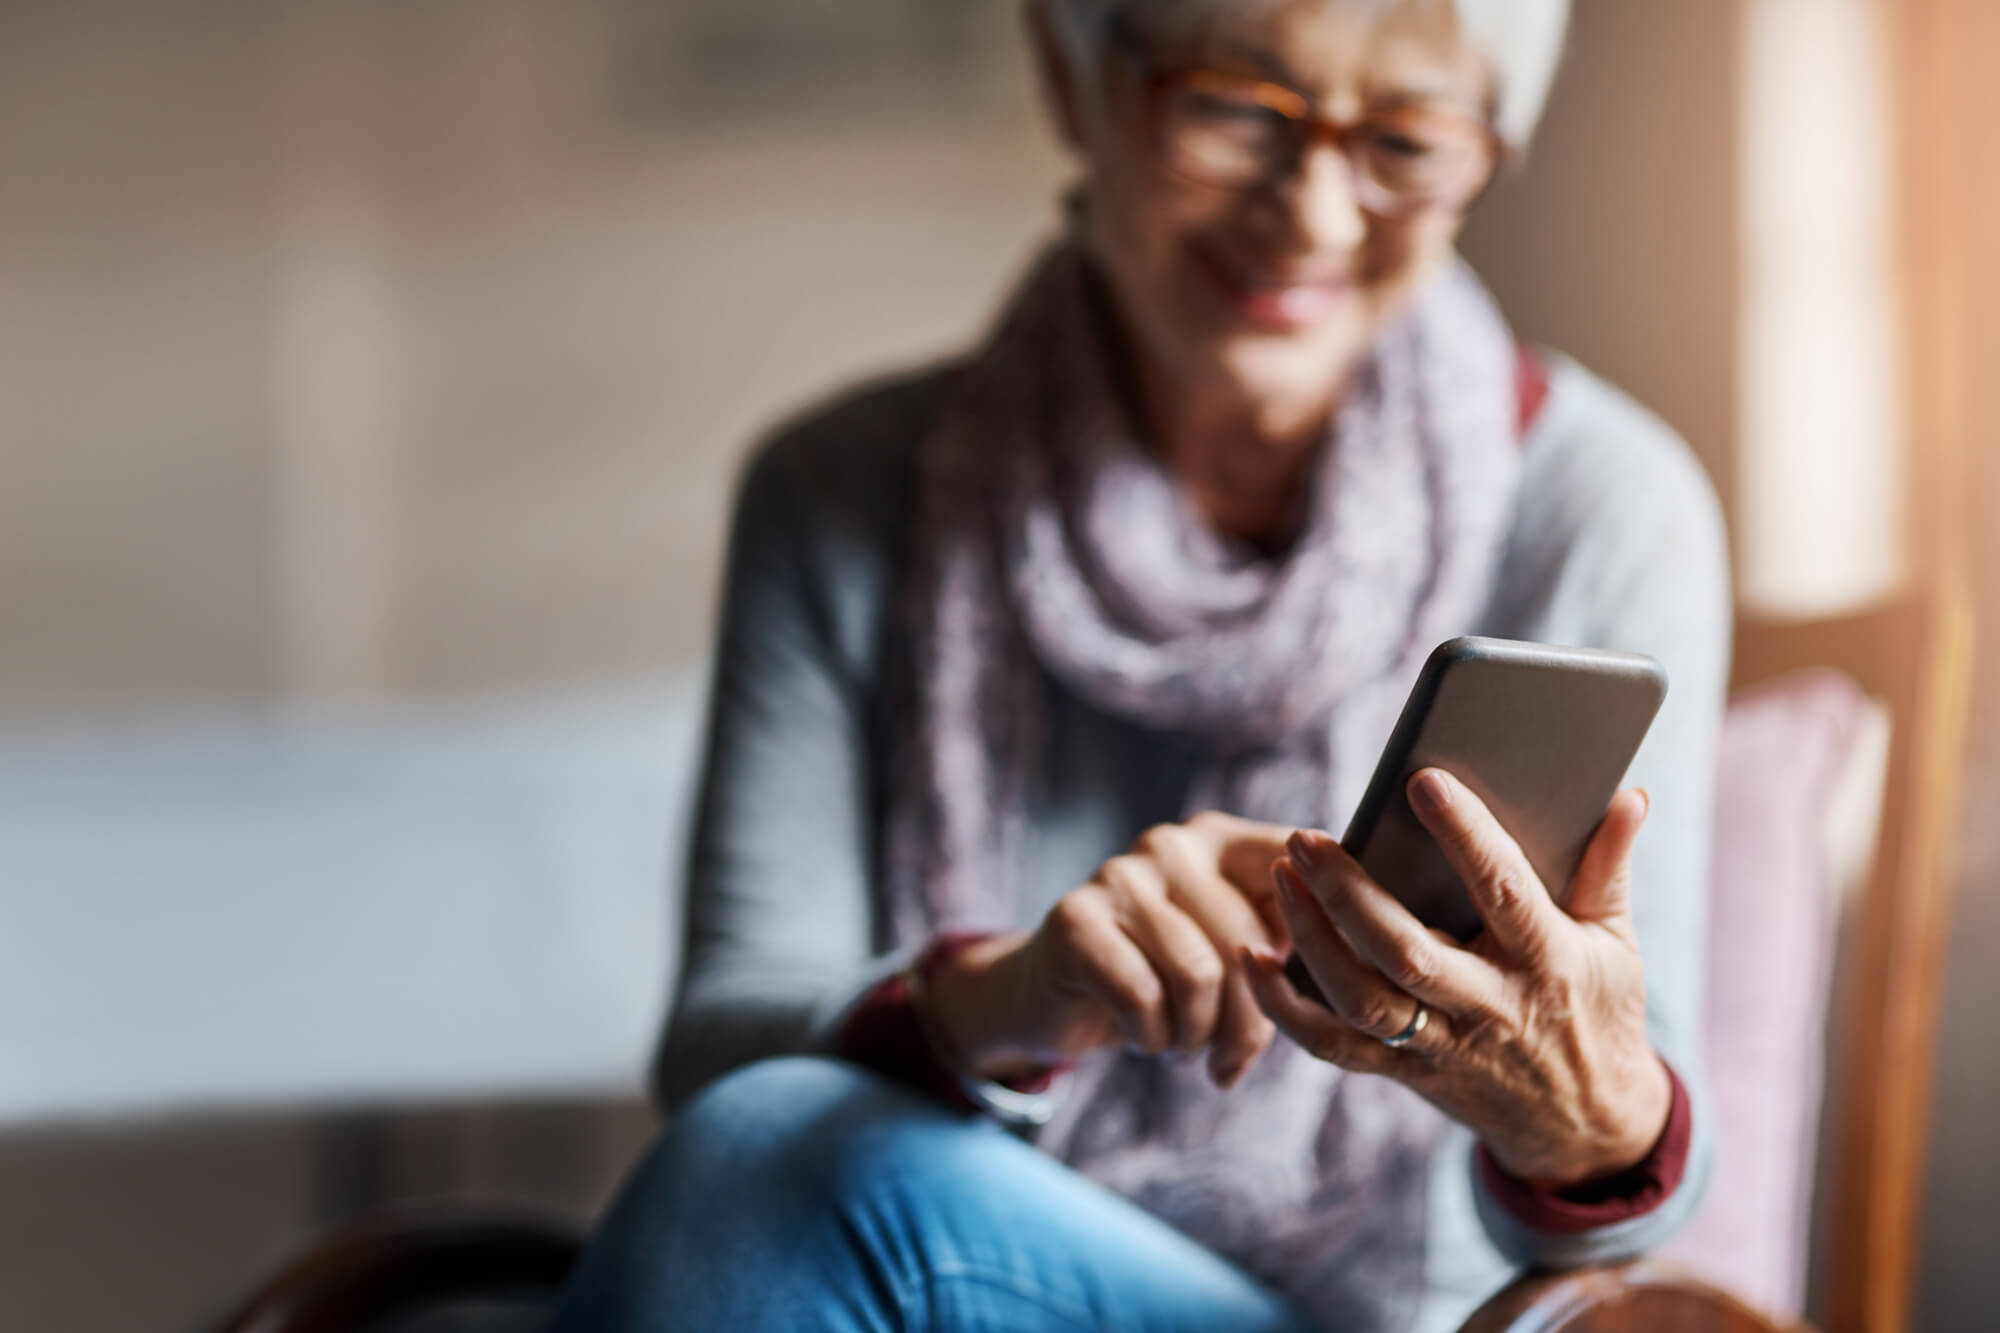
1288, 366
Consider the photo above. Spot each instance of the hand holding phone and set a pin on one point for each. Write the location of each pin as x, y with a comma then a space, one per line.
1542, 734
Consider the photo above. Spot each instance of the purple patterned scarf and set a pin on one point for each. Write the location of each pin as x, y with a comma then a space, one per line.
1050, 544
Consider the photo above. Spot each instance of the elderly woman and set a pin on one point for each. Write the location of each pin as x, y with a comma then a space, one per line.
1040, 672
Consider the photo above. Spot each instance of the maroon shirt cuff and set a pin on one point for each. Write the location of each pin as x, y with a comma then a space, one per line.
884, 1033
1574, 1209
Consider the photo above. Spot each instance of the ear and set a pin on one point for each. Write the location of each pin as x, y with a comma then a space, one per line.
1060, 92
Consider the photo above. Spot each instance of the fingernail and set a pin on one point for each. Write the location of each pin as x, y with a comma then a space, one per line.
1646, 797
1429, 791
1258, 960
1305, 846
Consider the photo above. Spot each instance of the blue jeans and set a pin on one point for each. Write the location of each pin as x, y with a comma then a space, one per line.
807, 1194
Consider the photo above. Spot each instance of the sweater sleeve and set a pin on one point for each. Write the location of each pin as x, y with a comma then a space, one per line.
1625, 550
1594, 1204
778, 946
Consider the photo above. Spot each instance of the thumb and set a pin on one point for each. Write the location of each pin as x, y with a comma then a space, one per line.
1601, 889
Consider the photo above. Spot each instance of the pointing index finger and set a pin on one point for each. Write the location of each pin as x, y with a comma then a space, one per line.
1247, 853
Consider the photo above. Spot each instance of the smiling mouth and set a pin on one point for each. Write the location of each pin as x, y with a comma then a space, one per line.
1275, 301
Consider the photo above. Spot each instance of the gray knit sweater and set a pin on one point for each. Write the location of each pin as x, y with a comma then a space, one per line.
1617, 543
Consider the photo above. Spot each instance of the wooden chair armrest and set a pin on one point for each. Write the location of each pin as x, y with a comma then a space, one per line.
408, 1260
1644, 1296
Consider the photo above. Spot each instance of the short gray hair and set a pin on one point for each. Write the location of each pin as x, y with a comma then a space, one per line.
1522, 41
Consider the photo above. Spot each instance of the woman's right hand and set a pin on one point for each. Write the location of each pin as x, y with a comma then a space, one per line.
1144, 956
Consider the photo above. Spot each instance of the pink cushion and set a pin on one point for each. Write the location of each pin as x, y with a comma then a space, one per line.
1773, 919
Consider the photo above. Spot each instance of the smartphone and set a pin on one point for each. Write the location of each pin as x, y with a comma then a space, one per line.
1542, 734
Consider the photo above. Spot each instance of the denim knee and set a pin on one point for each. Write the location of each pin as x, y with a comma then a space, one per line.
803, 1192
768, 1096
791, 1168
788, 1126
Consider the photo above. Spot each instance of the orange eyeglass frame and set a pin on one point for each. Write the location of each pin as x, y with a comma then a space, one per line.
1310, 128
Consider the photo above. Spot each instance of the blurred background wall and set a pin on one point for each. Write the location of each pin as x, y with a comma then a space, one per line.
375, 355
380, 349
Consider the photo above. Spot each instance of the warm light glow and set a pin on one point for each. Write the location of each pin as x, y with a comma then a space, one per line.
1820, 478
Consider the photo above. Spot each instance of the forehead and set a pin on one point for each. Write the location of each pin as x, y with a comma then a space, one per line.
1335, 48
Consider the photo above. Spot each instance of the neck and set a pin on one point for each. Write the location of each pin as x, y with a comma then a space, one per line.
1244, 462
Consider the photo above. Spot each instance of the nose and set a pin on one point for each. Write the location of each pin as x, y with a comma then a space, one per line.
1320, 203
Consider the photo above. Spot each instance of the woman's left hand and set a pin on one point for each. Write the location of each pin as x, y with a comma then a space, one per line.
1536, 1030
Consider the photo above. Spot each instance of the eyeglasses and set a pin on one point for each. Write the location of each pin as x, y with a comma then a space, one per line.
1234, 131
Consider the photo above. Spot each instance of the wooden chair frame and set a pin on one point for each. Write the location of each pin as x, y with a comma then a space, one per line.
1915, 656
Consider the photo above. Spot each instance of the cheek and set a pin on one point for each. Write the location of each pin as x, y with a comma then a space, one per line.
1140, 225
1401, 255
1144, 217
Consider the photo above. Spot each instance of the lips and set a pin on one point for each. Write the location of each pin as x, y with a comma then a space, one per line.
1279, 300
